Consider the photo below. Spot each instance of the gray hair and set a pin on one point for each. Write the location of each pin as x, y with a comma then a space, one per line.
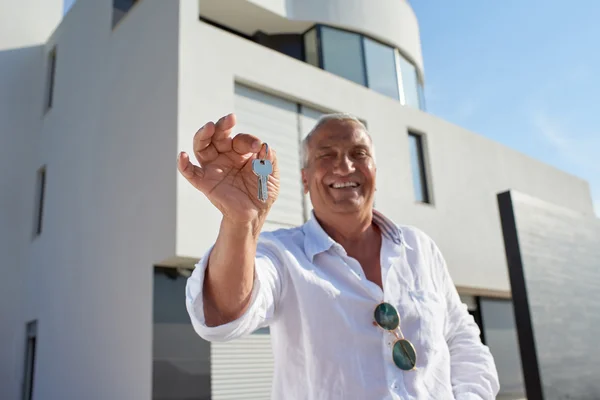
322, 121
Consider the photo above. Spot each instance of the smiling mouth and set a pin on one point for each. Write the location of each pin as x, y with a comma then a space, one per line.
344, 185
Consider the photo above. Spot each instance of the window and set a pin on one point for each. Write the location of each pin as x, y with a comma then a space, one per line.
50, 78
40, 194
29, 365
349, 55
289, 44
365, 61
311, 47
410, 82
497, 319
120, 9
417, 163
381, 68
181, 360
342, 54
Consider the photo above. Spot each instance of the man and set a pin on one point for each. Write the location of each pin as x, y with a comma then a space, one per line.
358, 307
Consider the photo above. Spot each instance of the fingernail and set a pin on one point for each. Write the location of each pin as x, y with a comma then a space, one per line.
256, 146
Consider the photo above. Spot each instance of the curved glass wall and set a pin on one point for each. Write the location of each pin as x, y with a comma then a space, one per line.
366, 62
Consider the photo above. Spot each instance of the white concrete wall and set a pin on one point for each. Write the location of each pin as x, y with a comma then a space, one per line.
24, 27
467, 169
109, 144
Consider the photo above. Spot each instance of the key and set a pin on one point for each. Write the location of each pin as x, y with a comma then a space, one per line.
262, 168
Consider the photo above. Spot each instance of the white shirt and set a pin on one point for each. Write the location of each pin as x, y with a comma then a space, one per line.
319, 307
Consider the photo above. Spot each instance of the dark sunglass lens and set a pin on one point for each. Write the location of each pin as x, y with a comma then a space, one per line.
404, 355
387, 316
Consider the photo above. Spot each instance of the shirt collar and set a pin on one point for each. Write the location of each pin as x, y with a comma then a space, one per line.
316, 240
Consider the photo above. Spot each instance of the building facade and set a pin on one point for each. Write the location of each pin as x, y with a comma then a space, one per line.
99, 231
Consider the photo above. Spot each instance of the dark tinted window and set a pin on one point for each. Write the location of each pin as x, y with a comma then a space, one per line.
40, 200
121, 8
290, 44
417, 164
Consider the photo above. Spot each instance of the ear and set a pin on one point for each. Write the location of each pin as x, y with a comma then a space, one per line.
304, 181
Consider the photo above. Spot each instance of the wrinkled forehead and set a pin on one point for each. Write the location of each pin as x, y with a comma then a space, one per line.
342, 134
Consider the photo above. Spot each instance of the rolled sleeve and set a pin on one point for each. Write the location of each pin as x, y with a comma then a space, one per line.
473, 370
266, 293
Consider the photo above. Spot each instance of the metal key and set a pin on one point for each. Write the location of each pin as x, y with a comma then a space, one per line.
262, 168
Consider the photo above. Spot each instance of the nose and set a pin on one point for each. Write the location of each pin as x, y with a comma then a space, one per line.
343, 165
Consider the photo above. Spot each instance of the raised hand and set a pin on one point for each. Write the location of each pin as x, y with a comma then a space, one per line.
225, 174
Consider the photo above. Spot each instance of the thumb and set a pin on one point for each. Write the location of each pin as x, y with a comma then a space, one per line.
191, 172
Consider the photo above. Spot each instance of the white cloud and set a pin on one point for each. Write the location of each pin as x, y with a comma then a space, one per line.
577, 147
466, 109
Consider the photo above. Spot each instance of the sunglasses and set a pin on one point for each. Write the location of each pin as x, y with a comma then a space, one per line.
403, 352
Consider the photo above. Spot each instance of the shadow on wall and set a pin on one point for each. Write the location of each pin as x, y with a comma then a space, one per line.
172, 383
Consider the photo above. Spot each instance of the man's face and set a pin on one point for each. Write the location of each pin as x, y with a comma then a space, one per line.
340, 174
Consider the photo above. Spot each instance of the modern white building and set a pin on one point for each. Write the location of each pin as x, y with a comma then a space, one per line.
98, 229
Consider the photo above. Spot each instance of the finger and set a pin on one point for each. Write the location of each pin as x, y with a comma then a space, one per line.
204, 150
244, 143
267, 152
221, 138
191, 172
271, 156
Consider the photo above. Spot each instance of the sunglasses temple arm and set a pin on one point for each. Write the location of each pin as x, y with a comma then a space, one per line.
401, 336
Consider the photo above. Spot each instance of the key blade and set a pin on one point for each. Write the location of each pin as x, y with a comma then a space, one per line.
262, 188
264, 179
259, 185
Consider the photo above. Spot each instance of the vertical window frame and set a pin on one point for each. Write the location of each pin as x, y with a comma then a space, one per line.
363, 56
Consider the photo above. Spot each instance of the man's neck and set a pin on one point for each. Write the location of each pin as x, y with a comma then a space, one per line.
351, 231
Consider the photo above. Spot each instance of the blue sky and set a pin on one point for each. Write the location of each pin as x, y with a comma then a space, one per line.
523, 73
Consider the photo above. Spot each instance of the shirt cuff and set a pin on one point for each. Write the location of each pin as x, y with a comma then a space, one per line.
195, 307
